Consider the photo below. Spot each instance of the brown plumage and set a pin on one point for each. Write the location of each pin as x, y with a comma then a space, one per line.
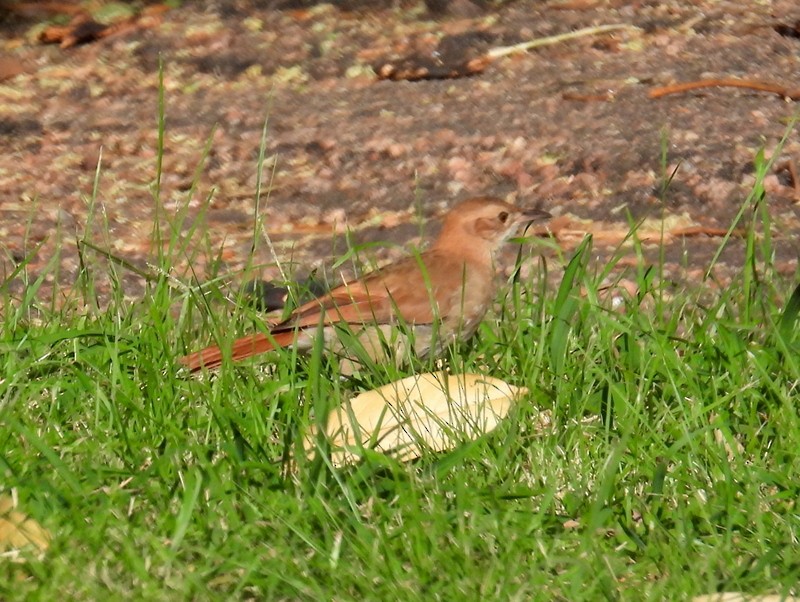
441, 295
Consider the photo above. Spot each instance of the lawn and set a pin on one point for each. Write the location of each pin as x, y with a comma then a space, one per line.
670, 466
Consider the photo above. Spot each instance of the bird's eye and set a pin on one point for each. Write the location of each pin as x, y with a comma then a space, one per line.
503, 217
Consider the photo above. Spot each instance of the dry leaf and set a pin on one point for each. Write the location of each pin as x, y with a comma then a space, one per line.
433, 412
17, 531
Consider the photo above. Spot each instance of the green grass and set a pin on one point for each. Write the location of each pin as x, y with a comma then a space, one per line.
671, 468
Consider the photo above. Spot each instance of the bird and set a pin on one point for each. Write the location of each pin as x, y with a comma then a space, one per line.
419, 304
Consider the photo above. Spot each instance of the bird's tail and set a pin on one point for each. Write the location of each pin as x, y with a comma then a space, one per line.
211, 357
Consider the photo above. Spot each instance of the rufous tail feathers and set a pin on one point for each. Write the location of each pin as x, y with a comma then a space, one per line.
211, 357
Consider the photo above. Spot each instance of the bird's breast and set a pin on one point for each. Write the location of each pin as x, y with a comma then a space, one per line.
467, 303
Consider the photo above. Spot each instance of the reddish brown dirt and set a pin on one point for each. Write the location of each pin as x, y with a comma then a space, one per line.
569, 127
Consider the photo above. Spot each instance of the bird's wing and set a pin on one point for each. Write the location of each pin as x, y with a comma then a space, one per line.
401, 290
352, 304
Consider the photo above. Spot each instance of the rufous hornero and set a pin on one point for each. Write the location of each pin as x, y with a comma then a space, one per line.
420, 304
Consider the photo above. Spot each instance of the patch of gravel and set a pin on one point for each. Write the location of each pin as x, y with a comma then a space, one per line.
568, 127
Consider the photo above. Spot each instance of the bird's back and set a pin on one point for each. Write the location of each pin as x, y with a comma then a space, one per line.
420, 289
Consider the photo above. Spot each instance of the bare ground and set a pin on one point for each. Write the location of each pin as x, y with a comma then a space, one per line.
569, 127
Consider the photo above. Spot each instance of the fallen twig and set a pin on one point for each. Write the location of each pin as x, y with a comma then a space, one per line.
782, 91
501, 51
699, 231
415, 67
83, 29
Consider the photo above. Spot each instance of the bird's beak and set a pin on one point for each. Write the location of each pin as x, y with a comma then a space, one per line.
532, 215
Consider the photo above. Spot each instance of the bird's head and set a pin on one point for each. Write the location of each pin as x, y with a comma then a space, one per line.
484, 223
